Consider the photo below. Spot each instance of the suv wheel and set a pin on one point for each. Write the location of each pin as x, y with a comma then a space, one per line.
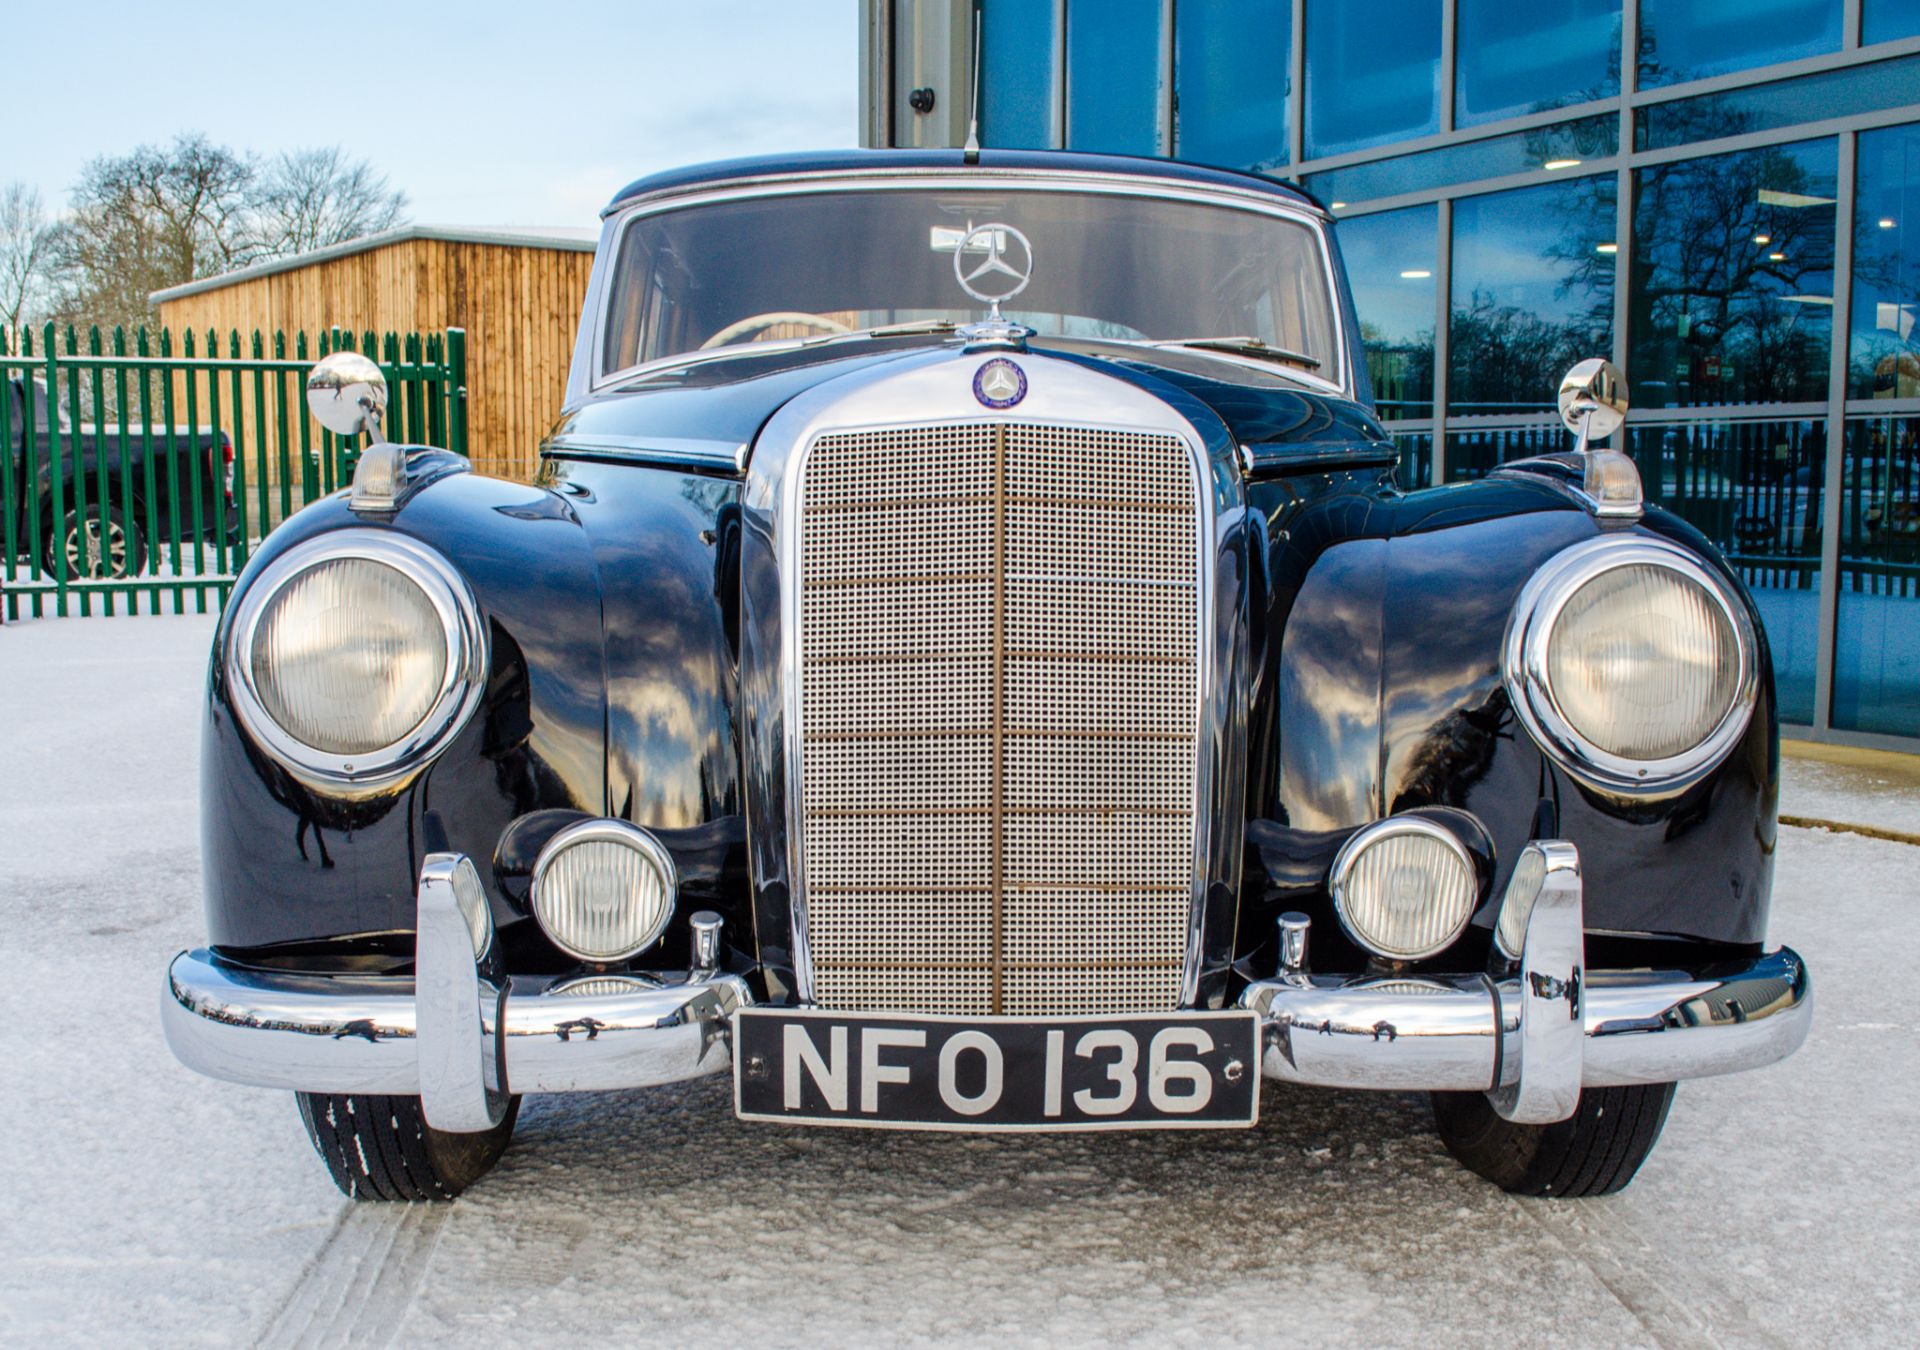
99, 549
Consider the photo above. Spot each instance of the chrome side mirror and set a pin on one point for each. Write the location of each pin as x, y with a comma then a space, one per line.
1593, 404
347, 394
1593, 400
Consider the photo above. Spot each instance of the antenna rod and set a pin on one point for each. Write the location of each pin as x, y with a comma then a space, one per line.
971, 153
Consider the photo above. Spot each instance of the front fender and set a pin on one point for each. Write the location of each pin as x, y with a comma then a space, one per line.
285, 863
1385, 694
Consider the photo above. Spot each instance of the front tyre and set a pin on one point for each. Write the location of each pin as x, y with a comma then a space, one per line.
381, 1148
1596, 1152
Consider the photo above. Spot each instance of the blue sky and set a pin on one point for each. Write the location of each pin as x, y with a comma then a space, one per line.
485, 113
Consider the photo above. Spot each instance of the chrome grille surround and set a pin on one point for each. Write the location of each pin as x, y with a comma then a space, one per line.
998, 713
835, 920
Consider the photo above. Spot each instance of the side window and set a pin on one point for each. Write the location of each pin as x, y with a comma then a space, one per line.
632, 331
37, 396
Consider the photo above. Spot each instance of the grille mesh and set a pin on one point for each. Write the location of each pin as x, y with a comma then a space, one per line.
998, 637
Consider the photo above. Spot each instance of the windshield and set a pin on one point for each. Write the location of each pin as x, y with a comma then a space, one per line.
775, 268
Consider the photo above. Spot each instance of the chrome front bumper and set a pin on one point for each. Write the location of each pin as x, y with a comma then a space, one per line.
462, 1036
1534, 1031
457, 1034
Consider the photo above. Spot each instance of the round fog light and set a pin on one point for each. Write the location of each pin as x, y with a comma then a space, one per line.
603, 890
1403, 888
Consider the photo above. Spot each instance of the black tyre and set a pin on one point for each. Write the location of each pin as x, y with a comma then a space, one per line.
381, 1148
1595, 1153
98, 549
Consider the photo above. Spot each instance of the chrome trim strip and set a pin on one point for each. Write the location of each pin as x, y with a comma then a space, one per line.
461, 685
1524, 665
946, 180
673, 450
936, 386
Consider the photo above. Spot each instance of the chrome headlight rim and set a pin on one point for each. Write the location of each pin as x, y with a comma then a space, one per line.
1349, 856
1530, 689
606, 830
455, 699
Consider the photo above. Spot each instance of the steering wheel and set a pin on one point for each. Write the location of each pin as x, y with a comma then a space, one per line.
759, 323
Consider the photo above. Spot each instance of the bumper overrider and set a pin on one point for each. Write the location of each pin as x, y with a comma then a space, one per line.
459, 1033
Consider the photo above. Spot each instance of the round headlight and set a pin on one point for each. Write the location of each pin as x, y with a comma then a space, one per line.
1630, 661
1404, 888
355, 655
603, 890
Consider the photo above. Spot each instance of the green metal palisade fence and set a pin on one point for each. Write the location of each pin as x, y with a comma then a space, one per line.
138, 466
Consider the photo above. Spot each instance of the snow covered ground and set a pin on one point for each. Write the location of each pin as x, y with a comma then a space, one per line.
140, 1204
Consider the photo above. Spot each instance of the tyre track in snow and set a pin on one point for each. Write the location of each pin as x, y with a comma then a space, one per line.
359, 1285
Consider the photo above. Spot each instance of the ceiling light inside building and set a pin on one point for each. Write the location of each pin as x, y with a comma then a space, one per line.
1808, 299
1886, 222
1763, 239
1608, 247
1415, 274
1337, 205
1560, 164
1777, 257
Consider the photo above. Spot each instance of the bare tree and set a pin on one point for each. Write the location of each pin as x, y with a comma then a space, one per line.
308, 199
154, 218
161, 216
25, 253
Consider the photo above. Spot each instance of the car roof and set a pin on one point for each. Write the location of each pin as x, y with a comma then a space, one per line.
881, 161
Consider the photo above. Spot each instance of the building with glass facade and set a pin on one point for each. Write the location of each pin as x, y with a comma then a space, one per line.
1722, 195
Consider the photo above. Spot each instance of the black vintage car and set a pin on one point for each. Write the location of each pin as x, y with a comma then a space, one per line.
964, 639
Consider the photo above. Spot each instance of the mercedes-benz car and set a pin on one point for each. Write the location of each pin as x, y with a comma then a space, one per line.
966, 662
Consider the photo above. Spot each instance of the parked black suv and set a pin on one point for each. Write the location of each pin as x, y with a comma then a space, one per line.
111, 540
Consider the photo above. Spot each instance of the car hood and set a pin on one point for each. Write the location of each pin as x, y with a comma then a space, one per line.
710, 411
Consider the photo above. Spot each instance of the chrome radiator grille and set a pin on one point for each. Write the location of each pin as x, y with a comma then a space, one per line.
998, 643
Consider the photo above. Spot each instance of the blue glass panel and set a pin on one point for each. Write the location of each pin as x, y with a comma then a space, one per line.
1416, 458
1565, 146
1114, 76
1751, 486
1886, 20
1756, 489
1532, 292
1885, 358
1762, 107
1692, 39
1231, 77
1373, 73
1019, 62
1876, 656
1514, 59
1733, 256
1391, 260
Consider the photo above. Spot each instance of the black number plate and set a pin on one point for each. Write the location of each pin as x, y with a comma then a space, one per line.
1189, 1070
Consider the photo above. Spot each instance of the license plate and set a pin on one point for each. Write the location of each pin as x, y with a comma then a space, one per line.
1147, 1071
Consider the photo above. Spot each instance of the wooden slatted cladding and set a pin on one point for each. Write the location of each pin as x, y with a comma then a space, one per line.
517, 294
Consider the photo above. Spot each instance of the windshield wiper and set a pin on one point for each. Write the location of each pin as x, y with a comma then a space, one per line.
1243, 346
910, 328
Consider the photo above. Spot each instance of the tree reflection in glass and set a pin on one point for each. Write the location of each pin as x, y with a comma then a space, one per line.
1733, 286
1532, 293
